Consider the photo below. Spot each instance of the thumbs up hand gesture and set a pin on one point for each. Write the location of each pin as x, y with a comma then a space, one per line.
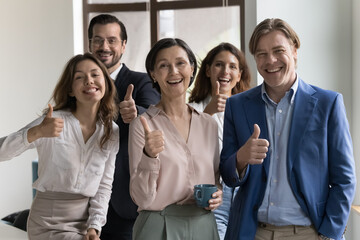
253, 151
49, 127
154, 140
217, 103
127, 107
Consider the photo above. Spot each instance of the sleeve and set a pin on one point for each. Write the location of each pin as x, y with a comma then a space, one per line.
99, 203
144, 170
228, 154
16, 143
145, 95
341, 173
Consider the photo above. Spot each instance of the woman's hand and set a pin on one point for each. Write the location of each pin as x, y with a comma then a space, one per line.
217, 103
154, 140
216, 201
49, 127
91, 235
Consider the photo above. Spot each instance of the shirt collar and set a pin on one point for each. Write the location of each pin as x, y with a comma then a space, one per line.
114, 74
292, 92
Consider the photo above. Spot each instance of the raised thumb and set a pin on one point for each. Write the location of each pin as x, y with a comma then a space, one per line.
129, 92
145, 125
256, 132
50, 111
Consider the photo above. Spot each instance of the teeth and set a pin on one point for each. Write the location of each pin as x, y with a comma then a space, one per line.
273, 70
91, 90
224, 79
175, 81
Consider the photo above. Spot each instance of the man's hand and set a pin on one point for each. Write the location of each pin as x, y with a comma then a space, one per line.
127, 107
49, 127
154, 140
253, 151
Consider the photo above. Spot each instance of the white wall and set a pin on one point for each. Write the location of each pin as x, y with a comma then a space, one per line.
36, 41
355, 218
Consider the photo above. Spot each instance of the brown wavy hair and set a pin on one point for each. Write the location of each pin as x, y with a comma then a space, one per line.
108, 110
203, 87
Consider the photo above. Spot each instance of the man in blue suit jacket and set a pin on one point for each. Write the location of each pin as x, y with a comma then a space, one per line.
287, 144
107, 41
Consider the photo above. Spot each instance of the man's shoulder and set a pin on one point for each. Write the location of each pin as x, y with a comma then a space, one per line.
125, 72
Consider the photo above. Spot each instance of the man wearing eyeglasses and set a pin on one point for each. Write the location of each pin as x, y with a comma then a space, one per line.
107, 41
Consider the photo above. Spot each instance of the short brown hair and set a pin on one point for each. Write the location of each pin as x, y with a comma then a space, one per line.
269, 25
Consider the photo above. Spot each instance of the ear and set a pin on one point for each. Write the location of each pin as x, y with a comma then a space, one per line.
207, 72
295, 53
123, 46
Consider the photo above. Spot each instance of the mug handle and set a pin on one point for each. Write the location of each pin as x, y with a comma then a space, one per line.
198, 194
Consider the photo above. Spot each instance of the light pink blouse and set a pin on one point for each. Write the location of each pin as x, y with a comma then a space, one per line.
170, 178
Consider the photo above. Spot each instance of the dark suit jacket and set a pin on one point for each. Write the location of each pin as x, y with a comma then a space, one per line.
144, 95
320, 160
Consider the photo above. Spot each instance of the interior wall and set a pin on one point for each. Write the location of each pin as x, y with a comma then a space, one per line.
36, 41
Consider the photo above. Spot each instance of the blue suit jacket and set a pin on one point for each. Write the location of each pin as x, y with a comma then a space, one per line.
144, 95
320, 160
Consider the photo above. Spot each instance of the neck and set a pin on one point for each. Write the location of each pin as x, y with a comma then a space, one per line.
173, 107
87, 115
113, 68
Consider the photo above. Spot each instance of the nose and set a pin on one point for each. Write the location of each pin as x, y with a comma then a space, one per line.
105, 44
226, 69
173, 69
271, 58
88, 81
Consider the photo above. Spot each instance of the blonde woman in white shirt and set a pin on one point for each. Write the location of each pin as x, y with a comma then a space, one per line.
77, 142
223, 73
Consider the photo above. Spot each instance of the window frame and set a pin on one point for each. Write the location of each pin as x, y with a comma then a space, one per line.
153, 6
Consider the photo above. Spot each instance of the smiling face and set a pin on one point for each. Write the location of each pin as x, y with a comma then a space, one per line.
88, 86
107, 46
275, 58
225, 70
172, 71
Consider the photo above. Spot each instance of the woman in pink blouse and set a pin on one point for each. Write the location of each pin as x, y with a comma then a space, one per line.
77, 142
172, 147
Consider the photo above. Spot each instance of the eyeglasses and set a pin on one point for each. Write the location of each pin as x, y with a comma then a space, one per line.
98, 41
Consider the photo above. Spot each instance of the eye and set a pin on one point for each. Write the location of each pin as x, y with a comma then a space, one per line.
233, 67
112, 41
163, 65
218, 64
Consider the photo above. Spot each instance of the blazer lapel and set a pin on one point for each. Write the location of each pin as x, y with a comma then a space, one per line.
255, 113
304, 106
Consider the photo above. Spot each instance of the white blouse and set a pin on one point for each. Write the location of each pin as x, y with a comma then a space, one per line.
68, 164
219, 117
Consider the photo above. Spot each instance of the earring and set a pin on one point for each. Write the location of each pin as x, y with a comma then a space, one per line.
154, 80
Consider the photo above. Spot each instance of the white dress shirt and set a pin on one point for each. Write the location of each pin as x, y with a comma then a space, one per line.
68, 164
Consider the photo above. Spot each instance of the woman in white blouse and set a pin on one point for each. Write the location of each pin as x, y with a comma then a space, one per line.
172, 147
223, 72
77, 142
